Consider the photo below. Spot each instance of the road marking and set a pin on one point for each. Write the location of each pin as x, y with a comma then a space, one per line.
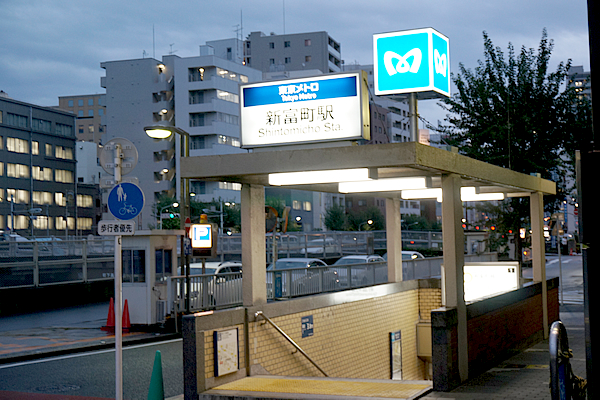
87, 353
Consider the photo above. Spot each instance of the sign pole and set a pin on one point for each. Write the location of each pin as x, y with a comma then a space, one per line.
118, 294
414, 117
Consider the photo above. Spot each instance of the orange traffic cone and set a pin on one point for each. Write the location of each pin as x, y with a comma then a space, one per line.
126, 322
110, 319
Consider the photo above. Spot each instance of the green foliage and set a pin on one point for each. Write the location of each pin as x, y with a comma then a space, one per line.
413, 222
335, 217
358, 220
512, 111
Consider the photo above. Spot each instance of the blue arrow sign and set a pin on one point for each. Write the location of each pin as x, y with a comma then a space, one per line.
125, 201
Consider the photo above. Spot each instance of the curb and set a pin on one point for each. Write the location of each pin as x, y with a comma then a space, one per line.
74, 349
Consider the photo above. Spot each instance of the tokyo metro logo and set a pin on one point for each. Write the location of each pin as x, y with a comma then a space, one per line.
440, 63
402, 65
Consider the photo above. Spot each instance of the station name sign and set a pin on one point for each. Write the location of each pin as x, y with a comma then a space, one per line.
307, 110
412, 61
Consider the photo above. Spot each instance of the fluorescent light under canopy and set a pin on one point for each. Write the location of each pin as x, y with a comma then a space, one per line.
384, 185
315, 177
467, 193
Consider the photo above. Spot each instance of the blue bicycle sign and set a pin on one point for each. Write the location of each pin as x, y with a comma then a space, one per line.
125, 201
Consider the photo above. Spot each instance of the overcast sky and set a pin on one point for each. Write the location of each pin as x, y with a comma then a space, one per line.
52, 48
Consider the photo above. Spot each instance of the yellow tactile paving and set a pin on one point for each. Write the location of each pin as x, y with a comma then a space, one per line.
395, 390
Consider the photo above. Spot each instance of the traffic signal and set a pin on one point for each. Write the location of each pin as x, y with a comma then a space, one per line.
173, 215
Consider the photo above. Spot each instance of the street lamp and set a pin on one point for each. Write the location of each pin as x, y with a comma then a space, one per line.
163, 130
174, 205
369, 222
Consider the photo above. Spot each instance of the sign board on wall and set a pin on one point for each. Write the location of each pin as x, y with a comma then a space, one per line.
486, 279
226, 351
412, 61
308, 110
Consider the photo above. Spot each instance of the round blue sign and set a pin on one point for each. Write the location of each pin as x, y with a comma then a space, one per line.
125, 201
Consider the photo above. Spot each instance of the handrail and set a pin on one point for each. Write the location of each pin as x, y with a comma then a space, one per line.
289, 339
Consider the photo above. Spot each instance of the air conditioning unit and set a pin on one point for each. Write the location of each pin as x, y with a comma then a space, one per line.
161, 311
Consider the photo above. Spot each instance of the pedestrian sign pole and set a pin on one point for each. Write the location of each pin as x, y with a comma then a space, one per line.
125, 202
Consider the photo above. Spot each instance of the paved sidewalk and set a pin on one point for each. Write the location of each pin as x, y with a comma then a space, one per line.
526, 375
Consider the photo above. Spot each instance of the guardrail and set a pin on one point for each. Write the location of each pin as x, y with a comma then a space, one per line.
225, 290
43, 263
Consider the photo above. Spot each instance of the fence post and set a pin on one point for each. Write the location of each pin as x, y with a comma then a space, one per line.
36, 265
84, 260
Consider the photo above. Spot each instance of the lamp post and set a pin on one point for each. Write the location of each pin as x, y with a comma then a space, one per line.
174, 205
368, 222
163, 130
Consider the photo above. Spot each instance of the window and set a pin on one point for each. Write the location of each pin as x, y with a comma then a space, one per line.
63, 176
295, 204
21, 222
85, 200
198, 187
17, 170
16, 120
91, 129
48, 149
307, 42
60, 199
288, 60
228, 140
197, 142
42, 222
90, 113
90, 102
101, 111
19, 196
66, 153
41, 198
70, 103
41, 125
307, 206
80, 113
59, 223
228, 118
1, 138
1, 172
196, 96
307, 58
84, 223
195, 74
271, 45
272, 61
35, 148
223, 95
63, 130
134, 266
287, 43
17, 145
196, 119
164, 264
80, 102
230, 186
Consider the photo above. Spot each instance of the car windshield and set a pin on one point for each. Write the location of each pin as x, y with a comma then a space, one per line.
198, 271
287, 265
346, 261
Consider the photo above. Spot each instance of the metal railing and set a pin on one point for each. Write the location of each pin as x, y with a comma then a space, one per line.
55, 262
289, 339
225, 290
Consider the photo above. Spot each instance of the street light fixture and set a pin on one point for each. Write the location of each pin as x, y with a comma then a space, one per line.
369, 222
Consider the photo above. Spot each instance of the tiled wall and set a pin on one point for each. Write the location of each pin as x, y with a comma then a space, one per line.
349, 340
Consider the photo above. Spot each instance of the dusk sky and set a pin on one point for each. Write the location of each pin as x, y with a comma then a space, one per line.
52, 48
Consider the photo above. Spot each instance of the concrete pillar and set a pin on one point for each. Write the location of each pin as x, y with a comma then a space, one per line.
254, 285
454, 261
394, 239
538, 250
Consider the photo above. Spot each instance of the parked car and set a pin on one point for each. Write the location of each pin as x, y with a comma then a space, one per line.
325, 245
361, 271
289, 277
223, 282
408, 255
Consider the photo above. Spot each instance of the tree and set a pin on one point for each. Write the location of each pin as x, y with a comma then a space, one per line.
513, 112
357, 221
335, 217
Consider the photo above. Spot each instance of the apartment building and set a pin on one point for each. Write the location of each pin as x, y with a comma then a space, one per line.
39, 194
88, 110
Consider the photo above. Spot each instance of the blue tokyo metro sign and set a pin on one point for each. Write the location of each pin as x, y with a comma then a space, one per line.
412, 61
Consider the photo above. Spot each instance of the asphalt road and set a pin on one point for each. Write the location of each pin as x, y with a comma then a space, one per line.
570, 270
93, 374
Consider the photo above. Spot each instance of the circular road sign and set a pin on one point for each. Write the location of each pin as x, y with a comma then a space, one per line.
129, 160
125, 201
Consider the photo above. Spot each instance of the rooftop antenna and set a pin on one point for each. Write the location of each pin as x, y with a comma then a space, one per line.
144, 54
284, 17
153, 44
172, 51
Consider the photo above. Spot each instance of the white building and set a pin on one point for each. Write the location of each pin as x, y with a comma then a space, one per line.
197, 94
